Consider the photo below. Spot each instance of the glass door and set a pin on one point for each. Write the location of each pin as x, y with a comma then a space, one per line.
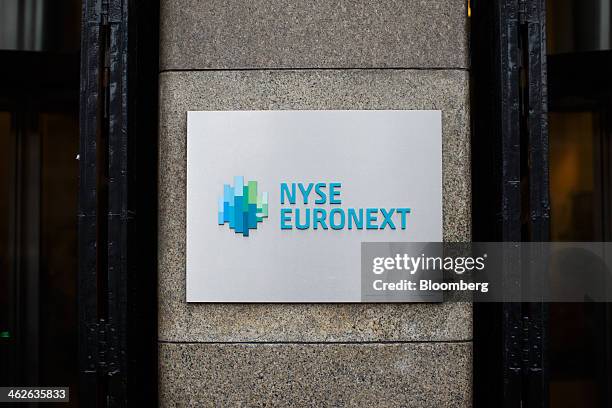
580, 105
39, 131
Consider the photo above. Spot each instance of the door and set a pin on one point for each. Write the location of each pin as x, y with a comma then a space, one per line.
38, 225
580, 104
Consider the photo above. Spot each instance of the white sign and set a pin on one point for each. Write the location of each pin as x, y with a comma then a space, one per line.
278, 202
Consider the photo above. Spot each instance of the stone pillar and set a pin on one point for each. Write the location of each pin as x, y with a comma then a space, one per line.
305, 54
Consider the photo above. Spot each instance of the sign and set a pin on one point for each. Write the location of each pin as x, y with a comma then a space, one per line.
279, 202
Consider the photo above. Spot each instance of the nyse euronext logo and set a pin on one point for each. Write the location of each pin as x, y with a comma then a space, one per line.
316, 206
241, 207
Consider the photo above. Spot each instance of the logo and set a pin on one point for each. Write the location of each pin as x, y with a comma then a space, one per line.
241, 207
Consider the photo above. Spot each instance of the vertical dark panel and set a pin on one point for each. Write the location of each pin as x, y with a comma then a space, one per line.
511, 194
143, 74
103, 204
536, 314
118, 196
485, 26
537, 120
89, 119
510, 191
496, 155
117, 216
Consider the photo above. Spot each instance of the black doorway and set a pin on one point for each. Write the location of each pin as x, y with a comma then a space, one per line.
39, 134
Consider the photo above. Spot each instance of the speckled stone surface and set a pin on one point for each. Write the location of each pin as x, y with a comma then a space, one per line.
239, 34
316, 375
446, 90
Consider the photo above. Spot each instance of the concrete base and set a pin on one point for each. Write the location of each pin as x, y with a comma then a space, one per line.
316, 375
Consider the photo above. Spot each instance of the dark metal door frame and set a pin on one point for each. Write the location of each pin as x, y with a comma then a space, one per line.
117, 202
103, 218
510, 190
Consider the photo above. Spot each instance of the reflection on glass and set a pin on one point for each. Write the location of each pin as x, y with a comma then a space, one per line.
6, 267
572, 167
579, 334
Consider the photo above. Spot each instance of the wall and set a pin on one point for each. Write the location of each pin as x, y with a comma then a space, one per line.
282, 54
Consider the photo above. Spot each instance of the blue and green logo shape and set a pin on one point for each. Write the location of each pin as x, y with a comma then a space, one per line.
241, 207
